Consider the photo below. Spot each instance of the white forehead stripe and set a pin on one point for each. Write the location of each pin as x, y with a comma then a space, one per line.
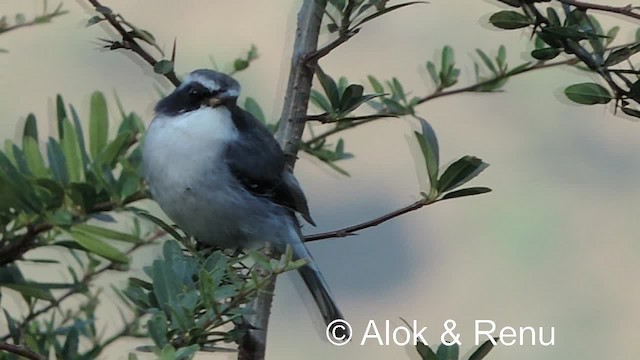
208, 83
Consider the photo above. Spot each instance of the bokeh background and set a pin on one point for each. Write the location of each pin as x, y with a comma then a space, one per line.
555, 243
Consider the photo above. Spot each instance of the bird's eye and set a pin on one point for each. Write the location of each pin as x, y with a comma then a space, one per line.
194, 92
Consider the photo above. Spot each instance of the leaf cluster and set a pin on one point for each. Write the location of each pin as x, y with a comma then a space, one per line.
574, 31
196, 299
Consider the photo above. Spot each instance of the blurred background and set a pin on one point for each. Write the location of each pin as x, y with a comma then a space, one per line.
554, 245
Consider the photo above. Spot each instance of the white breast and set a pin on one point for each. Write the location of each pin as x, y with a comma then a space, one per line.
178, 148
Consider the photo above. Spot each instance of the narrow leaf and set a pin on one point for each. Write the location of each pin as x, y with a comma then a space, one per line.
71, 150
466, 192
98, 124
98, 247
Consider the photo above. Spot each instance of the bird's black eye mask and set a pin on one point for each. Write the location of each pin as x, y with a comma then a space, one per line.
185, 99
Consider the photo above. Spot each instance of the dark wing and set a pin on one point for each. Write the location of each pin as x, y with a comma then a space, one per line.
257, 161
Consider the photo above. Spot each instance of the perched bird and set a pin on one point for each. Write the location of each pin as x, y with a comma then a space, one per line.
220, 175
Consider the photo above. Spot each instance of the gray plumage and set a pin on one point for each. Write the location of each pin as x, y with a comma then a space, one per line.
220, 175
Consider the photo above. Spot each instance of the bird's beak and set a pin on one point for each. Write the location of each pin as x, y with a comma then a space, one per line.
213, 102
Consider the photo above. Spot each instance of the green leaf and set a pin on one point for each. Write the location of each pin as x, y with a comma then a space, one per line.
71, 150
482, 350
319, 100
466, 192
163, 67
30, 290
588, 94
509, 20
460, 172
188, 352
487, 61
611, 34
621, 55
163, 225
30, 128
545, 53
240, 64
563, 32
447, 58
98, 124
330, 87
552, 15
57, 162
112, 152
80, 136
158, 329
98, 247
61, 114
448, 352
33, 157
70, 348
501, 59
251, 105
107, 233
376, 85
425, 352
62, 217
433, 73
350, 98
94, 20
430, 151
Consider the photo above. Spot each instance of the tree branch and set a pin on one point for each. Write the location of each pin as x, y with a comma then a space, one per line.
474, 87
435, 95
84, 282
21, 351
17, 247
130, 43
622, 10
41, 19
292, 123
351, 230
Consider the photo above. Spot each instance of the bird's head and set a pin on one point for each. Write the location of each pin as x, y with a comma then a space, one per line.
200, 88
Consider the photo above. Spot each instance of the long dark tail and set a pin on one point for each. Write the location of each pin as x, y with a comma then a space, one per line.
315, 282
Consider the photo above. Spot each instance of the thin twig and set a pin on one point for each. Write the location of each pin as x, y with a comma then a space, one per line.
44, 18
351, 230
474, 87
439, 94
129, 42
16, 248
86, 279
622, 10
21, 351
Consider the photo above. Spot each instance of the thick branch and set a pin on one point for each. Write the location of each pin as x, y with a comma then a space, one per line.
129, 42
292, 123
21, 351
351, 230
622, 10
294, 111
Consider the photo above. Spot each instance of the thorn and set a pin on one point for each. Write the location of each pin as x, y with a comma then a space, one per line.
173, 52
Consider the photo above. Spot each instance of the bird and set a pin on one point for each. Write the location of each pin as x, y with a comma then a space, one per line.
220, 175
